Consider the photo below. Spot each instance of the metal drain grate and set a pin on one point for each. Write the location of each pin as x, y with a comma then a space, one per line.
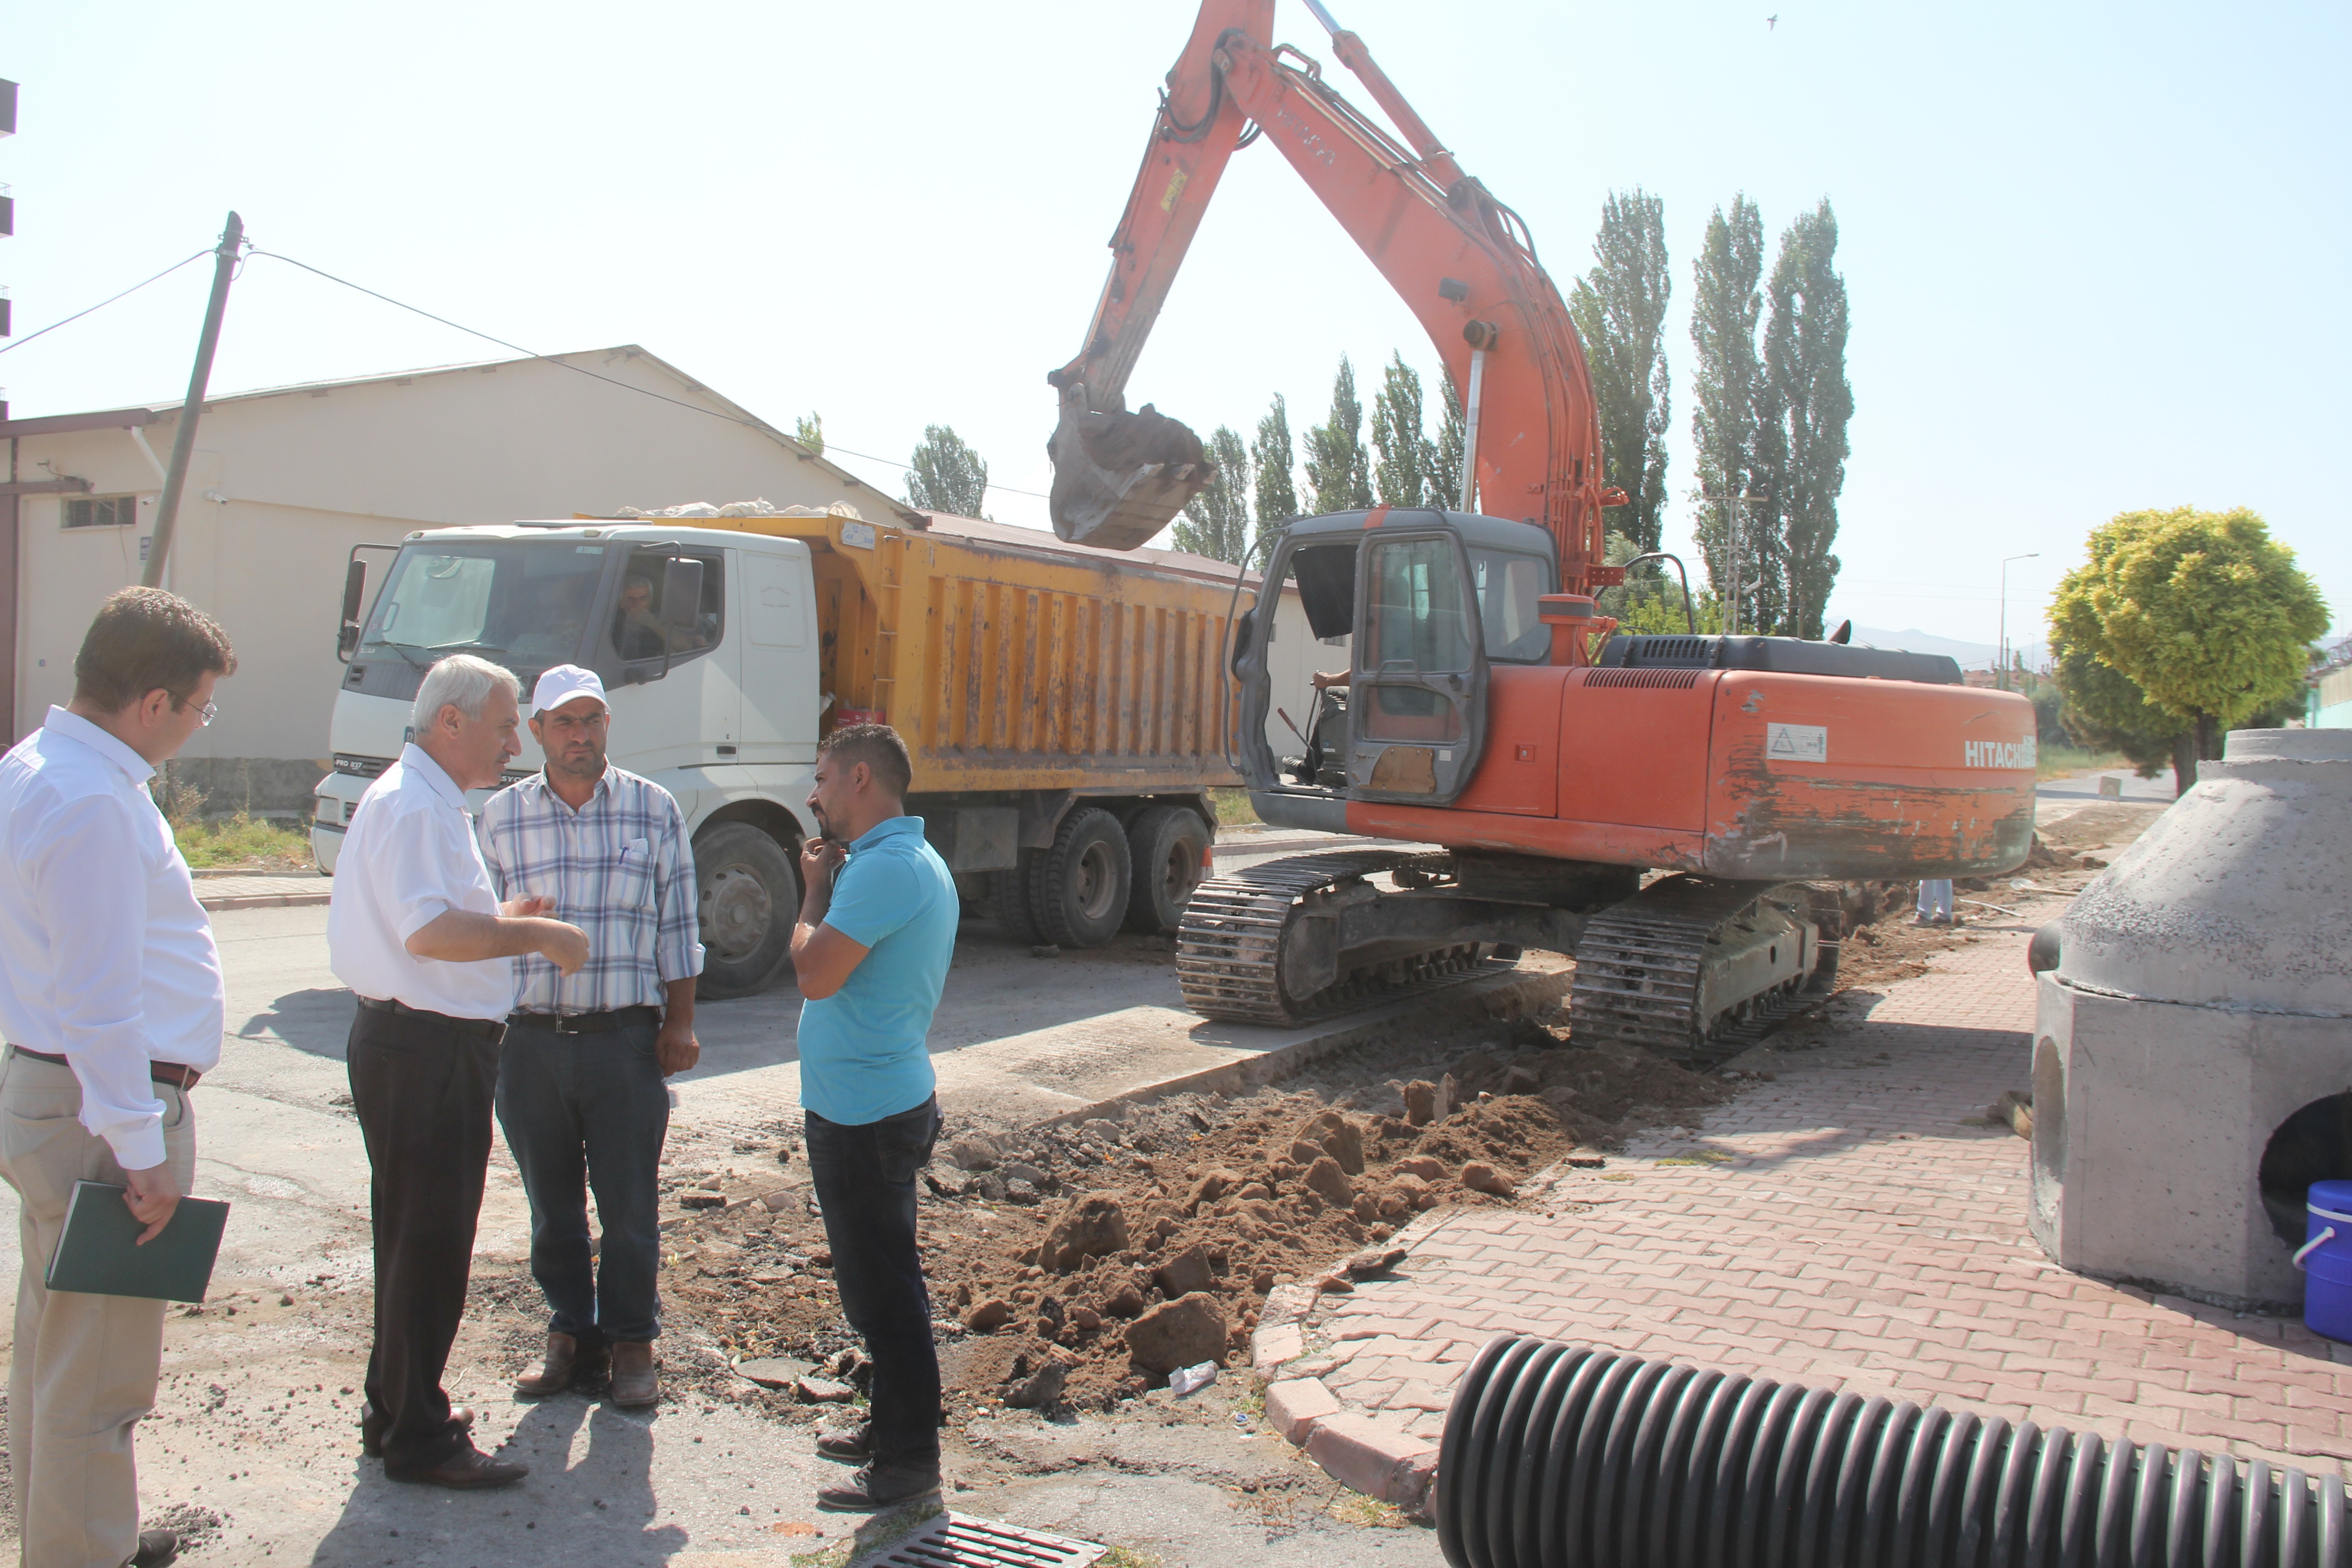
960, 1541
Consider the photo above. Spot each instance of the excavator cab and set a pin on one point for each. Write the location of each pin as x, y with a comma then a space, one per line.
1426, 600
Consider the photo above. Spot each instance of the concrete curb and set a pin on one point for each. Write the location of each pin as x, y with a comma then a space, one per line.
1507, 995
265, 900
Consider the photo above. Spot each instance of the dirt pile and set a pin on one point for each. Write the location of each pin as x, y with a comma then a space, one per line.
1083, 1264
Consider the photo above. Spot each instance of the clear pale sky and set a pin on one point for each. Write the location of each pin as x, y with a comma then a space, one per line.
2095, 253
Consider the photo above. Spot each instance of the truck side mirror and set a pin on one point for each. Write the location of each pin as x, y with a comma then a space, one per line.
347, 639
1244, 628
682, 600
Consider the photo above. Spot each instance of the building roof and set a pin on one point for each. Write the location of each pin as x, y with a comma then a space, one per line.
147, 414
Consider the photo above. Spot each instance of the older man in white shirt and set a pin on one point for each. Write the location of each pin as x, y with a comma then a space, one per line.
111, 1002
418, 934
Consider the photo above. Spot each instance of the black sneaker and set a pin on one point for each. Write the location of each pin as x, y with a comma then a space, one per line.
880, 1486
851, 1445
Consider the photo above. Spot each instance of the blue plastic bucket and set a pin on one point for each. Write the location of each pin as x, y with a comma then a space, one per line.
2325, 1259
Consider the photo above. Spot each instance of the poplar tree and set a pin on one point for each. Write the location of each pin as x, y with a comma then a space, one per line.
1619, 310
1802, 427
1725, 308
1404, 474
1339, 469
1277, 492
1216, 522
945, 475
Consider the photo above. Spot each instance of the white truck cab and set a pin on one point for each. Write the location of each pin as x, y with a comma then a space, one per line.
714, 697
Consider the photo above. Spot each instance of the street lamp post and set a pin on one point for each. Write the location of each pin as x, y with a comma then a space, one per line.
2029, 556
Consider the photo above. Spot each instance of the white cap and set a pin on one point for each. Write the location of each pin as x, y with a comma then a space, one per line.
562, 684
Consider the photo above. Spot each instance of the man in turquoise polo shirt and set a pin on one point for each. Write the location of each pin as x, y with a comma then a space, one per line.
878, 923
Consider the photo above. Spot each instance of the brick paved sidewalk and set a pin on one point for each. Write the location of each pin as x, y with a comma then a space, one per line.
1841, 1226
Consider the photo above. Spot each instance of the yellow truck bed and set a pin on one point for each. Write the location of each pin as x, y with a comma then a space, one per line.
1012, 661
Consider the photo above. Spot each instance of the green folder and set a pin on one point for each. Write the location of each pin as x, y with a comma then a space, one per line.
99, 1253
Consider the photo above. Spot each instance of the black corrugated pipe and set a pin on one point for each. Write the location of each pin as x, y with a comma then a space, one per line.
1565, 1456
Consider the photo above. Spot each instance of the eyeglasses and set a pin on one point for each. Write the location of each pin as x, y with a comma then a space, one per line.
204, 715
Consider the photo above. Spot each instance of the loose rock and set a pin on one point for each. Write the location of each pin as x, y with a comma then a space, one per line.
988, 1316
1327, 1181
1186, 1272
974, 1152
1089, 1227
1372, 1260
1042, 1388
1481, 1177
823, 1391
1336, 1136
1177, 1333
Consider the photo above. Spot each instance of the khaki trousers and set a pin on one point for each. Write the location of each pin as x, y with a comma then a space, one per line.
84, 1368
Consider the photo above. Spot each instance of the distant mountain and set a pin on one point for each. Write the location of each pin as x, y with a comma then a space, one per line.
1970, 655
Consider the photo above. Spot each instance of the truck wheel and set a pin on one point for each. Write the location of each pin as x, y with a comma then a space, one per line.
1164, 844
1008, 899
750, 893
1079, 891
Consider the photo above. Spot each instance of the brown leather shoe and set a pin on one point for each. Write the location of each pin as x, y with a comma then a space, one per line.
467, 1470
372, 1427
565, 1365
636, 1377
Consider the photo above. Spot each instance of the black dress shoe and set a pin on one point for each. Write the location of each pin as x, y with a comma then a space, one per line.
156, 1548
466, 1470
373, 1427
880, 1486
851, 1445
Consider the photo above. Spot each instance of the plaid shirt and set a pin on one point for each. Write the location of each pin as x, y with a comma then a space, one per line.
619, 868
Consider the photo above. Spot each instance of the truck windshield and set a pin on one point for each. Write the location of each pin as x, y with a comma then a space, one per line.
521, 603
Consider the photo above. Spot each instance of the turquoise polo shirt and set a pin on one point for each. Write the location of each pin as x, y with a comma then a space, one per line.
863, 1053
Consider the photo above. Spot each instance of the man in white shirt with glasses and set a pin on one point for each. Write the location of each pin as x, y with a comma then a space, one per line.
111, 1002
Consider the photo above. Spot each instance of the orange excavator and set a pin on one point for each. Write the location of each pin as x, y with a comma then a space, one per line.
1698, 820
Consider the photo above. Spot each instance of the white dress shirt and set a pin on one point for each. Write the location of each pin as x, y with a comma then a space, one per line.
408, 858
106, 958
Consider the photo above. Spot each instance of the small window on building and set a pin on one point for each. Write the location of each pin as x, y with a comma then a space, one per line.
101, 511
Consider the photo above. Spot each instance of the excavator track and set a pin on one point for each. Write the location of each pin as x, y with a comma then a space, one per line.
1640, 965
1229, 945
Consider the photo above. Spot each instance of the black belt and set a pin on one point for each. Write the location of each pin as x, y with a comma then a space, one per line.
179, 1075
586, 1023
490, 1029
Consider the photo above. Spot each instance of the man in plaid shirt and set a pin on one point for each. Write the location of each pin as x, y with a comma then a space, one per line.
580, 1092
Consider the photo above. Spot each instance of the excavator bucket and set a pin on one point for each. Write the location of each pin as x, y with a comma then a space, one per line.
1120, 478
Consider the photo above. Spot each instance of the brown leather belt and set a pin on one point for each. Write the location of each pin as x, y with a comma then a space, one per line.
179, 1075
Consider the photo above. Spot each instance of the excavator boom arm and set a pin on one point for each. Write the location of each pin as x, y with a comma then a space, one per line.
1460, 259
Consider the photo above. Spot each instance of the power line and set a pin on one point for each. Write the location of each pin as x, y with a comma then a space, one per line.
102, 304
610, 381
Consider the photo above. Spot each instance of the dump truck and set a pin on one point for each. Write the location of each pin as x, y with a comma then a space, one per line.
1066, 707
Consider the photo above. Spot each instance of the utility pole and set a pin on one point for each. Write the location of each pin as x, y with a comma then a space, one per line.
2029, 556
183, 445
1732, 499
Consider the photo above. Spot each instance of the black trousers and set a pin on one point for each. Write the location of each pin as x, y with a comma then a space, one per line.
421, 1089
865, 1178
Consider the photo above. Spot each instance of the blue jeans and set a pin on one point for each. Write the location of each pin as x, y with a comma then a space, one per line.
865, 1178
582, 1111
